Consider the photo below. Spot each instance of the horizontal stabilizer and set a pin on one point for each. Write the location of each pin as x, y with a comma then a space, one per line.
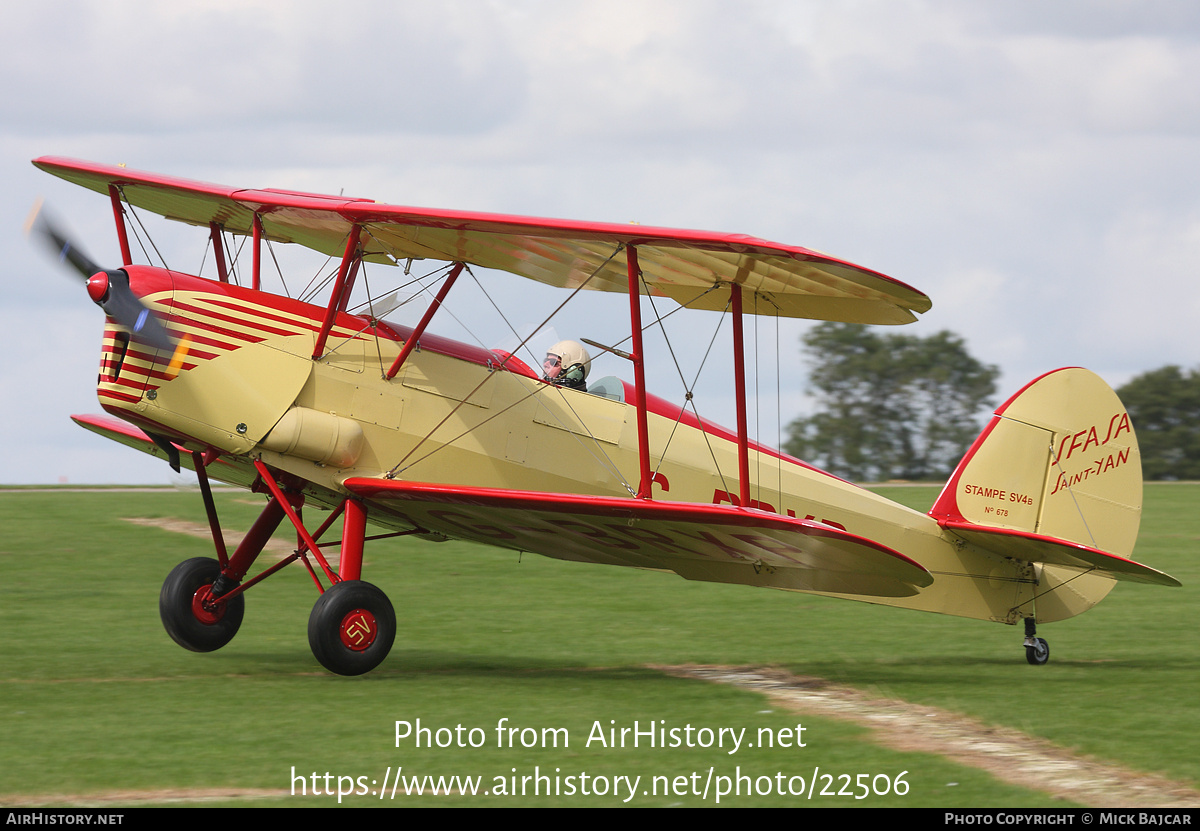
1023, 545
1055, 478
718, 543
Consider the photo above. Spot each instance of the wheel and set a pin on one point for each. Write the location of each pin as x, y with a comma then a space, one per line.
1039, 653
188, 614
352, 627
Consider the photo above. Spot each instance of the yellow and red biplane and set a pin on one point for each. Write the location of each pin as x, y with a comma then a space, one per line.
422, 435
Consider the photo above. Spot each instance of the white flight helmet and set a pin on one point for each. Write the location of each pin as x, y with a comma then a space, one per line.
571, 354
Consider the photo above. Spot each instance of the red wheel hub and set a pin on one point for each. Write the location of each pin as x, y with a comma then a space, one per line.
358, 630
203, 607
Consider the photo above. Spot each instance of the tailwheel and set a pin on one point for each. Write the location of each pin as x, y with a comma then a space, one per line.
352, 627
1037, 652
191, 617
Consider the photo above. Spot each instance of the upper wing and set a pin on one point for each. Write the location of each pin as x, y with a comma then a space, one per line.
700, 542
684, 265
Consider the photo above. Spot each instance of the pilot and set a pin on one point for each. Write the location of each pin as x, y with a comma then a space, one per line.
567, 364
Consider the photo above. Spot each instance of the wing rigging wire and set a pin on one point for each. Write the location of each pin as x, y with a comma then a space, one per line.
278, 268
373, 320
232, 261
539, 390
758, 462
605, 462
126, 204
425, 287
507, 322
317, 283
391, 474
127, 208
235, 256
204, 258
1083, 573
689, 396
689, 389
778, 410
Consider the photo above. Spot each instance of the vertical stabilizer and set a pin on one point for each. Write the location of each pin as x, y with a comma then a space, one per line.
1058, 459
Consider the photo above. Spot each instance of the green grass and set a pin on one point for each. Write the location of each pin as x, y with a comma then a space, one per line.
95, 698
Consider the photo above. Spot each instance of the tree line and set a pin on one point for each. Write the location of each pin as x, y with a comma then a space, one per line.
895, 406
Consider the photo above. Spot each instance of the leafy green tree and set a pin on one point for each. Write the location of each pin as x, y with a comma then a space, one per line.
889, 406
1164, 405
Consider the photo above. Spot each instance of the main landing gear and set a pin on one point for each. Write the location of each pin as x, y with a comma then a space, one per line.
352, 625
1037, 651
192, 616
351, 628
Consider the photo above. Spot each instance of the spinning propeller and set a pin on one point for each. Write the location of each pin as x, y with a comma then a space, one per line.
109, 289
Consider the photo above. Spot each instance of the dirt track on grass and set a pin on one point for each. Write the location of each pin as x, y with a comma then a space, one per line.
199, 529
1006, 754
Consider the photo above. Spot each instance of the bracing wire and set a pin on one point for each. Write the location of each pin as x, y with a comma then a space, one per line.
128, 208
391, 474
778, 410
278, 268
1070, 490
689, 396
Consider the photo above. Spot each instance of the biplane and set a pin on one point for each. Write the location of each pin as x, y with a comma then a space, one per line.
321, 403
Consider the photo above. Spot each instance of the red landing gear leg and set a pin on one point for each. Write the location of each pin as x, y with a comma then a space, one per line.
352, 625
354, 534
192, 604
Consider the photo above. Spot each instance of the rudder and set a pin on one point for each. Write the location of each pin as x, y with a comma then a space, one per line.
1058, 459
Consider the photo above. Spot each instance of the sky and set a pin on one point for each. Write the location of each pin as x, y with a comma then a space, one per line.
1032, 167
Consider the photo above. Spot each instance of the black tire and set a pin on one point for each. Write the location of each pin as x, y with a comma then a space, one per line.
190, 624
352, 628
1038, 655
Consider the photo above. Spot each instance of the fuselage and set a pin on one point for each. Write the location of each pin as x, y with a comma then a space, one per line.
457, 414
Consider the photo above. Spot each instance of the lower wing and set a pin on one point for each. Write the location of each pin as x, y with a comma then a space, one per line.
700, 542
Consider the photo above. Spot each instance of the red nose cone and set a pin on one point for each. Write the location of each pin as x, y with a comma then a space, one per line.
97, 286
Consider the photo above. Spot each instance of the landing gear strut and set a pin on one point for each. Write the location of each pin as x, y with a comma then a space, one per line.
352, 625
1037, 651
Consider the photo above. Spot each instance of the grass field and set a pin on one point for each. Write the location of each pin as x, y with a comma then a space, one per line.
98, 706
